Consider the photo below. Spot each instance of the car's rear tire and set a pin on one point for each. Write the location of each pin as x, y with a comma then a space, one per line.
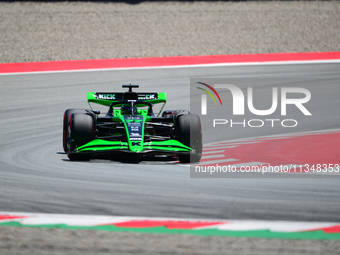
67, 115
189, 132
82, 131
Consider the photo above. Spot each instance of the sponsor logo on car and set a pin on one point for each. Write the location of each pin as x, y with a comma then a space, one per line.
147, 96
136, 143
136, 139
106, 96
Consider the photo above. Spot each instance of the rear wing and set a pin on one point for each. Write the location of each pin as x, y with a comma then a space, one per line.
106, 98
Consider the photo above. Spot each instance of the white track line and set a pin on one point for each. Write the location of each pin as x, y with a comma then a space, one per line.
280, 136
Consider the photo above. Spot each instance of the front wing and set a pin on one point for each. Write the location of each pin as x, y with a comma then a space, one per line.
100, 146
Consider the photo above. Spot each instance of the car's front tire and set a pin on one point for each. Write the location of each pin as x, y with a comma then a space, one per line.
81, 131
67, 115
189, 132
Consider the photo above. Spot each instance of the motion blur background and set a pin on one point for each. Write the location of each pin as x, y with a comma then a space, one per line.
45, 31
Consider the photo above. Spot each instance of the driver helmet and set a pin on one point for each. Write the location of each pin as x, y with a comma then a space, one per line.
126, 110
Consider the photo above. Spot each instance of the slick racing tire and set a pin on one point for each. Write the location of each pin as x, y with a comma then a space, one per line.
67, 115
82, 131
189, 132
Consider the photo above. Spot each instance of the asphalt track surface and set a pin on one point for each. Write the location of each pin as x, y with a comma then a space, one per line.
36, 175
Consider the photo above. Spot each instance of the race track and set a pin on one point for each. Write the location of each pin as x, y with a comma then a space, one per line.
36, 175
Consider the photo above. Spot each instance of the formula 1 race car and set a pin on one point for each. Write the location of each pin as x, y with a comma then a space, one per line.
131, 129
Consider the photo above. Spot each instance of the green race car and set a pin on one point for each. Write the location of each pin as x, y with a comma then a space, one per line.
131, 129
